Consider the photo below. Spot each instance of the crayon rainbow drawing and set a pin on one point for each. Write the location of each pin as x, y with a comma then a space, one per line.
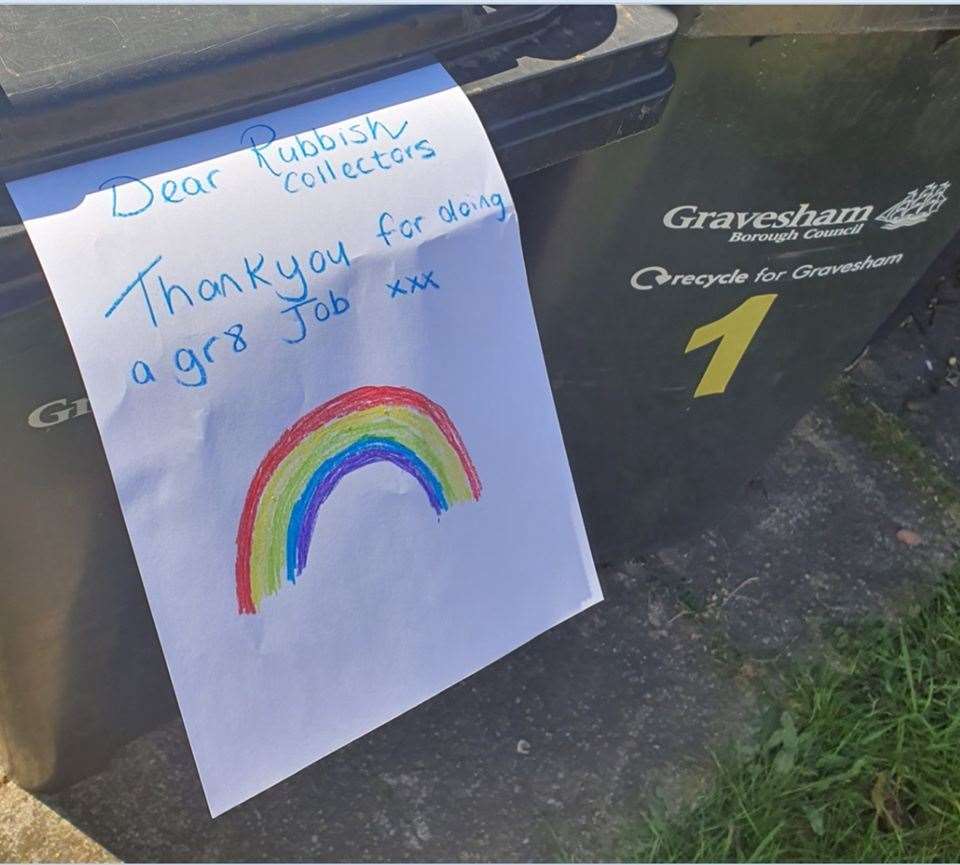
363, 426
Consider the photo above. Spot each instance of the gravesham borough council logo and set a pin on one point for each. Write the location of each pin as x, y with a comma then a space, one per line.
916, 207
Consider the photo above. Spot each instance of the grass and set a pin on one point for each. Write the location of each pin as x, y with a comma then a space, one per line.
860, 760
889, 438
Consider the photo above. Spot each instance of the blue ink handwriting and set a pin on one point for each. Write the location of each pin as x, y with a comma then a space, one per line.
408, 228
132, 196
321, 312
163, 298
451, 211
192, 363
391, 229
319, 153
411, 284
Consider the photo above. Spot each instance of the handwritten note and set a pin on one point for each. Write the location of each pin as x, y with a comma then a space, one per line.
309, 346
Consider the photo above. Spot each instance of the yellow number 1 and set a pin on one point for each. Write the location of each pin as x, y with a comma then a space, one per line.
734, 330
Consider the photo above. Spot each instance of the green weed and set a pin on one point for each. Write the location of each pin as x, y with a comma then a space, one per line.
860, 762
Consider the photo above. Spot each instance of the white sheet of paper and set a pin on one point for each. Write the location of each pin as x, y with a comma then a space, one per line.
311, 332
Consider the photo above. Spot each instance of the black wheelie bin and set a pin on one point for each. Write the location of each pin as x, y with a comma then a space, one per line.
697, 286
80, 666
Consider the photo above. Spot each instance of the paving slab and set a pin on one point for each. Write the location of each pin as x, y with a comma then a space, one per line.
32, 832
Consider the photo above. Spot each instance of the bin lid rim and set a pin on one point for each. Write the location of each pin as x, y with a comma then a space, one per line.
55, 54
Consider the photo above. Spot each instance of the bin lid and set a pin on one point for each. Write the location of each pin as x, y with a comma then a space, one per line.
548, 82
52, 53
134, 69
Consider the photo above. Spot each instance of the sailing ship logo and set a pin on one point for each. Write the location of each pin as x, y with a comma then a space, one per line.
917, 207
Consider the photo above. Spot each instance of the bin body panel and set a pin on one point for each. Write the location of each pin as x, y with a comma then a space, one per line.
81, 669
826, 121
